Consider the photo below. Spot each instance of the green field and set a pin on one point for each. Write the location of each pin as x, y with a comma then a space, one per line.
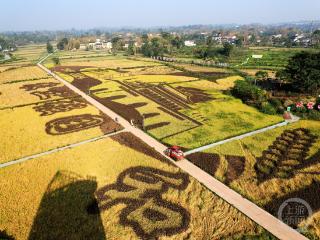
181, 109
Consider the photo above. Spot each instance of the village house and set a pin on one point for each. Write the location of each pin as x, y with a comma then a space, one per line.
189, 43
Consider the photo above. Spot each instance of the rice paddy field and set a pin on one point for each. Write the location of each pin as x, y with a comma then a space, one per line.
113, 188
119, 187
270, 167
42, 110
61, 202
172, 106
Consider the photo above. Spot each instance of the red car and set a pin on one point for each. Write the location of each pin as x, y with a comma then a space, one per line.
175, 153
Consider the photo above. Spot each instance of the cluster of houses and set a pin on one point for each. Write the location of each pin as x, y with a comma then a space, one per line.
221, 39
104, 44
300, 39
98, 44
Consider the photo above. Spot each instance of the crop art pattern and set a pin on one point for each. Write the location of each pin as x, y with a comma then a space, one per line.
170, 100
52, 90
71, 124
141, 190
287, 153
69, 102
63, 105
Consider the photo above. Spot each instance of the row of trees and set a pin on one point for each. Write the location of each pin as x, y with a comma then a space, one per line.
170, 44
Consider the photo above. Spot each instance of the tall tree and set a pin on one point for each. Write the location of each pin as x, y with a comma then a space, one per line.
62, 44
303, 72
227, 49
49, 47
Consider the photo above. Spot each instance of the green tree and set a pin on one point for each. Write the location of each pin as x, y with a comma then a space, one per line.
261, 75
248, 92
227, 49
63, 44
177, 42
116, 44
155, 47
131, 49
56, 60
303, 71
49, 47
316, 38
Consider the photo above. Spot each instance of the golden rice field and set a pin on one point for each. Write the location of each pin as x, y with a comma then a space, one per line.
23, 131
22, 73
14, 94
301, 181
113, 62
156, 79
55, 201
30, 53
117, 187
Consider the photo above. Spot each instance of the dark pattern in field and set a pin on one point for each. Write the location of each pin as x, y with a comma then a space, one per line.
51, 91
72, 124
210, 162
141, 189
287, 154
169, 99
194, 95
235, 168
129, 140
68, 124
62, 105
156, 125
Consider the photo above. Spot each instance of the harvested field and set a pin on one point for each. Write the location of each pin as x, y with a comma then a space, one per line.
109, 202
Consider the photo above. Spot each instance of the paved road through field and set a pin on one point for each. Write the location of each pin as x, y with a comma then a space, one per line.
260, 216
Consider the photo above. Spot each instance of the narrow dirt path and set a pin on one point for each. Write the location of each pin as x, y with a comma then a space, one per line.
260, 216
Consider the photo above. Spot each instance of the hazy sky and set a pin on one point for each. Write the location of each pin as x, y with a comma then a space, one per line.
83, 14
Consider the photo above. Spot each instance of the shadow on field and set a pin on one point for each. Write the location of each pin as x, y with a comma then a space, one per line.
63, 212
